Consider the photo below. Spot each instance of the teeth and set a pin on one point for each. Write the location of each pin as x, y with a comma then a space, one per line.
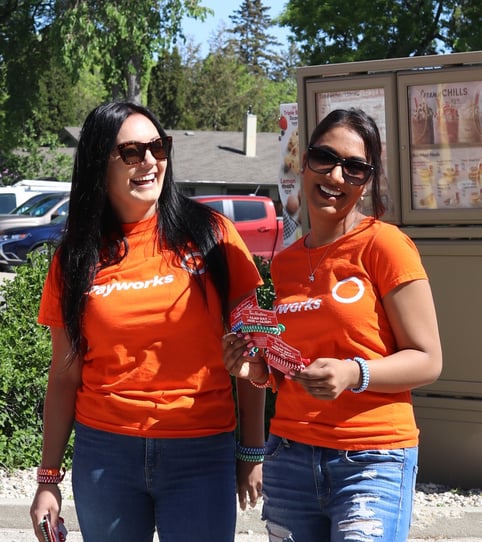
144, 178
330, 191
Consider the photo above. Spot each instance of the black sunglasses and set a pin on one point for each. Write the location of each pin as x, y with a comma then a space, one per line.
356, 172
134, 152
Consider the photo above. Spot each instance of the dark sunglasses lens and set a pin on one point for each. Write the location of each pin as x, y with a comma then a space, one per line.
133, 153
356, 172
321, 159
160, 149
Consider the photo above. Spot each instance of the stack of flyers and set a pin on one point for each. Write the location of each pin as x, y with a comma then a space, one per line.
283, 357
264, 329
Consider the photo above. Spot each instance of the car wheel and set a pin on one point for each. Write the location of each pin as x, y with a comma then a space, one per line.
46, 250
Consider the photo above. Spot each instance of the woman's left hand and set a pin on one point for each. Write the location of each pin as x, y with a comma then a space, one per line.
249, 478
327, 378
239, 362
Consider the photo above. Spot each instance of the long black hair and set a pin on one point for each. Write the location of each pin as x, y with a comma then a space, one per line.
364, 125
94, 238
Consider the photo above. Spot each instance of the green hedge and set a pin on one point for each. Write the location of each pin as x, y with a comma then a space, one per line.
25, 352
265, 295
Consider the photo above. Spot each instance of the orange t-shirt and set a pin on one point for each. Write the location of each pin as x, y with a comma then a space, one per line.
341, 315
154, 365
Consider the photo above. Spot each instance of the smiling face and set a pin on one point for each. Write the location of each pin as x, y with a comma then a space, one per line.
133, 190
328, 196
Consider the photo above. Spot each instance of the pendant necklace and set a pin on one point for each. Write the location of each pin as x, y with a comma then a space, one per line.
311, 276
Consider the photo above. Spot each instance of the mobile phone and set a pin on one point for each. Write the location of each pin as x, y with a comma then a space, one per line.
48, 532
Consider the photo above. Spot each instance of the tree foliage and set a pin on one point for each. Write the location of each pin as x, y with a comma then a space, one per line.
463, 28
122, 36
167, 96
254, 46
344, 31
214, 93
36, 157
60, 58
25, 352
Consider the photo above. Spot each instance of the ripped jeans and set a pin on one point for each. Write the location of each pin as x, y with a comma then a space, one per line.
314, 494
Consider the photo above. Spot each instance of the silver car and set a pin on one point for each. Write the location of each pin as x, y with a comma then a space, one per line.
39, 209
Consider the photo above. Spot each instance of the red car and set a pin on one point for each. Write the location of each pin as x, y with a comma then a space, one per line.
255, 219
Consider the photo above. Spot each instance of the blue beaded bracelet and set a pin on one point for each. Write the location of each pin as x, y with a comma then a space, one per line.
365, 374
250, 454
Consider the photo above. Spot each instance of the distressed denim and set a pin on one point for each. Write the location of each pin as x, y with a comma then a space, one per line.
125, 487
314, 494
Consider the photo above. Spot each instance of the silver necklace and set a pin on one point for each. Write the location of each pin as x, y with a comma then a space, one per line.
311, 276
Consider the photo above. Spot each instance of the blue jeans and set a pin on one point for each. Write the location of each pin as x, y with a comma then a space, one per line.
314, 494
125, 487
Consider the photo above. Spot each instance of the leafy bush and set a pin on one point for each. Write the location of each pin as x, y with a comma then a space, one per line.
25, 352
35, 158
265, 295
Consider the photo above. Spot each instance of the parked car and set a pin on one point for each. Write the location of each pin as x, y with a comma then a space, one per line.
255, 219
39, 209
17, 243
14, 195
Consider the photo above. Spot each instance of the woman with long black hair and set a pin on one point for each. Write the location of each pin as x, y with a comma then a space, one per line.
137, 299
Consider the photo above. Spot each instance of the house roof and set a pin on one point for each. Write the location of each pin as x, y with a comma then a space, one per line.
217, 157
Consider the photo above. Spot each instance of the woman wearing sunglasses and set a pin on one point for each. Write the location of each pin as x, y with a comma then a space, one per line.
136, 299
341, 459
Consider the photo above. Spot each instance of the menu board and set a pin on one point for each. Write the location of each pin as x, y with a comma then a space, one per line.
446, 145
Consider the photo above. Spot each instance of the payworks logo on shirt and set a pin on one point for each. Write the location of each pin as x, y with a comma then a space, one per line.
308, 305
346, 291
106, 289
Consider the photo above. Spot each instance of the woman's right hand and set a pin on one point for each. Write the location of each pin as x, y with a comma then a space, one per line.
238, 360
47, 501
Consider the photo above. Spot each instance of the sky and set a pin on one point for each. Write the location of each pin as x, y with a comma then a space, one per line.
201, 32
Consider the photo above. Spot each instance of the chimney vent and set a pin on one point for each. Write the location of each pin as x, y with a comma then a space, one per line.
250, 134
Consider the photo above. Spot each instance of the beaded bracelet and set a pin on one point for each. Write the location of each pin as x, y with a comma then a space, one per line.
266, 384
250, 454
365, 374
50, 476
258, 328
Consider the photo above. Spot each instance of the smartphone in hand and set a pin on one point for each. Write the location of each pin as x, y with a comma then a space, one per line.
48, 532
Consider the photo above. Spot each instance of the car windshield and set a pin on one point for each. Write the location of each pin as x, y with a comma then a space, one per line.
38, 205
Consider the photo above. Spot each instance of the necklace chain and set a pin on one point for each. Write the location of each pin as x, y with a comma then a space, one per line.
311, 276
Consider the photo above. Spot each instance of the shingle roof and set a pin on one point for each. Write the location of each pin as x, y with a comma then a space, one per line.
218, 157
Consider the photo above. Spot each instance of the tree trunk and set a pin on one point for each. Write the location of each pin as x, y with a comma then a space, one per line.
134, 81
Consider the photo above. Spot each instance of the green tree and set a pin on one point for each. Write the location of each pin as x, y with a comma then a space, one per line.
254, 45
55, 103
464, 26
167, 89
344, 31
218, 94
122, 37
207, 108
37, 89
88, 92
36, 156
